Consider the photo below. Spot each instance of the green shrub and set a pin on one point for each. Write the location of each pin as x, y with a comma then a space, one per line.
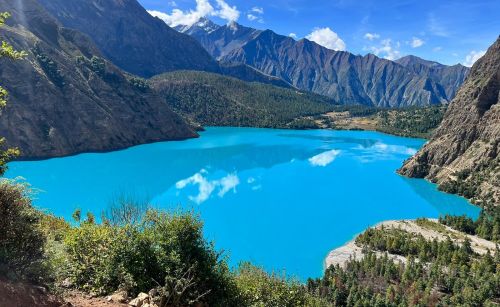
49, 67
259, 288
21, 240
161, 250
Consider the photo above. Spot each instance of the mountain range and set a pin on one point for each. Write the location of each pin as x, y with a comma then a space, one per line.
343, 76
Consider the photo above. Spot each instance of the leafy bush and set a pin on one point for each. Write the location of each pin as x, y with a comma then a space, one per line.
161, 250
21, 240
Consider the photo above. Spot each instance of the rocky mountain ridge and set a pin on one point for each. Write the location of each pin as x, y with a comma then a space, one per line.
346, 77
463, 155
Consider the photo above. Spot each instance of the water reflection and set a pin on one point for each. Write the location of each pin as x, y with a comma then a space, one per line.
363, 142
382, 151
325, 158
206, 187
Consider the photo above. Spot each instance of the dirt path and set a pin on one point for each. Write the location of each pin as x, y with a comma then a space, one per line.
78, 299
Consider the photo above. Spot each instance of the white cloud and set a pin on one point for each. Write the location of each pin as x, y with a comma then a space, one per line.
327, 38
227, 12
436, 27
172, 4
325, 158
258, 10
472, 57
255, 14
207, 187
417, 42
386, 49
252, 17
437, 49
293, 35
371, 36
203, 8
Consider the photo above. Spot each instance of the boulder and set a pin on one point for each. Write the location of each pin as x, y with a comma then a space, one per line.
140, 300
120, 296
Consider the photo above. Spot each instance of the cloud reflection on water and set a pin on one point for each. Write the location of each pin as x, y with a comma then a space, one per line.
206, 187
383, 151
325, 158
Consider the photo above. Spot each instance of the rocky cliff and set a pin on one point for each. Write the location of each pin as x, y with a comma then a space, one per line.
65, 98
463, 155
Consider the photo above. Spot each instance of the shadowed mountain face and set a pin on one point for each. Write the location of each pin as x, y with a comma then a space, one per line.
464, 154
65, 98
130, 37
347, 78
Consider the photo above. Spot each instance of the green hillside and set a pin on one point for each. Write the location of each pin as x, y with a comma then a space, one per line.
214, 100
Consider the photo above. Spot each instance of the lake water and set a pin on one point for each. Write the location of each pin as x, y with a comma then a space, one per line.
279, 198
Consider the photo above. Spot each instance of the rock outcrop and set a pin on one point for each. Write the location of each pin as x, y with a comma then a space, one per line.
463, 155
64, 98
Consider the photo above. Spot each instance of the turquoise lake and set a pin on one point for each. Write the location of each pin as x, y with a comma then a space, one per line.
279, 198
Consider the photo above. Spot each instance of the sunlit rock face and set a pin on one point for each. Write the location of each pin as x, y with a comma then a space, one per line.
463, 155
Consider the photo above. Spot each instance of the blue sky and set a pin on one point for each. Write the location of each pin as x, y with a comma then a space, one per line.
446, 31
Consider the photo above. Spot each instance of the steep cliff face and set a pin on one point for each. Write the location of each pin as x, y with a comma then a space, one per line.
131, 38
64, 98
463, 155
